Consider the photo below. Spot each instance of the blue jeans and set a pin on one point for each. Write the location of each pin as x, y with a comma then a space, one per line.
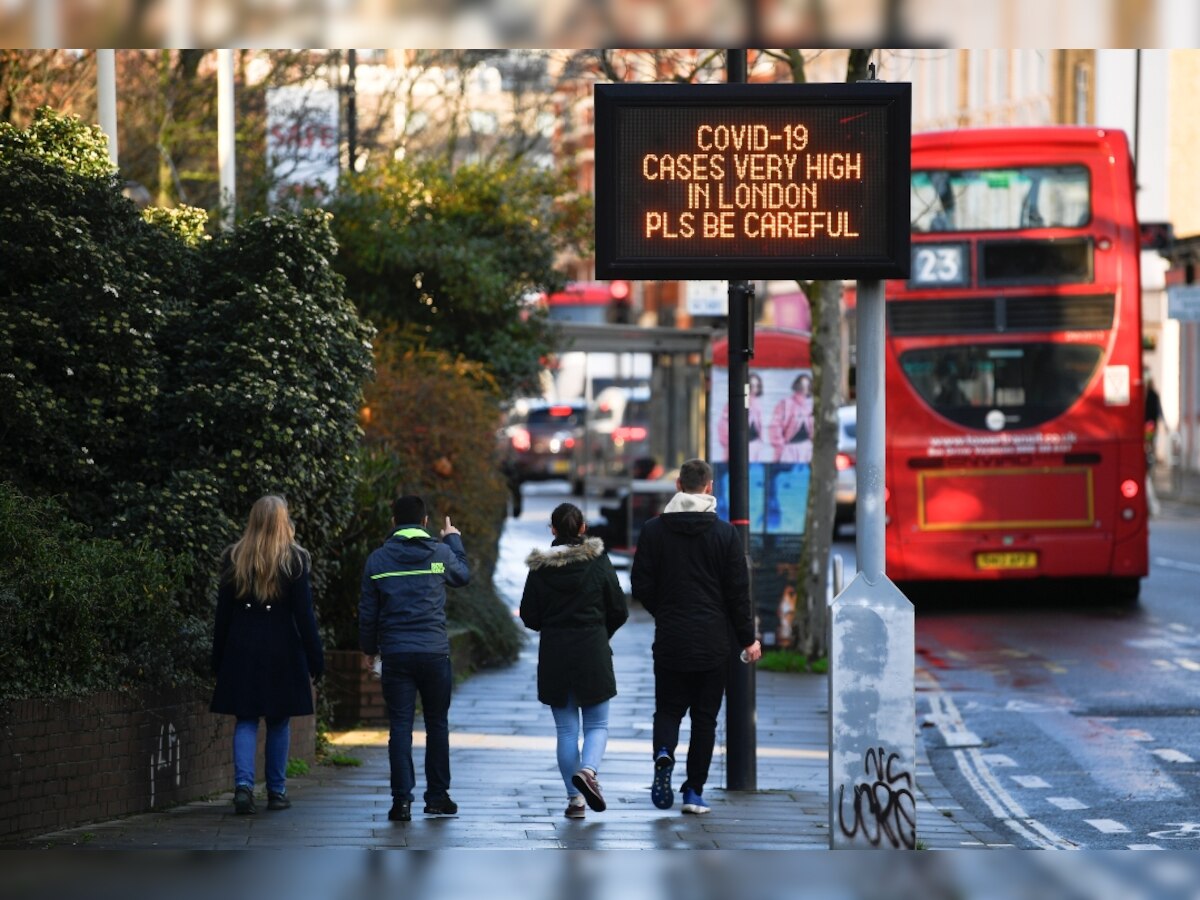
404, 676
245, 743
595, 737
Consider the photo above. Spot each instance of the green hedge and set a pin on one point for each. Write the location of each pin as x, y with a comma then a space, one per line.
156, 381
80, 613
160, 381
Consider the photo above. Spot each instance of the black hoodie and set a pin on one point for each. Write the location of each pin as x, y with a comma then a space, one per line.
690, 573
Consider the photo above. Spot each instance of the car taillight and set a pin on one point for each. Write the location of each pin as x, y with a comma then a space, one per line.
843, 461
628, 433
520, 439
568, 442
1129, 488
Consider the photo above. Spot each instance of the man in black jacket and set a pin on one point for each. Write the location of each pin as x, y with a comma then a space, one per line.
402, 617
690, 574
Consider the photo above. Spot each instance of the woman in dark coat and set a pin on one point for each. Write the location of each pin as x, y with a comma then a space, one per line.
573, 598
265, 646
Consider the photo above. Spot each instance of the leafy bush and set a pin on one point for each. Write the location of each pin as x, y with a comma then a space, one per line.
79, 613
84, 283
158, 381
455, 253
790, 661
263, 391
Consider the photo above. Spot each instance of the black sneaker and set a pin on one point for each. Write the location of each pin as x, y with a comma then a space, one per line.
660, 789
443, 806
401, 811
243, 800
278, 800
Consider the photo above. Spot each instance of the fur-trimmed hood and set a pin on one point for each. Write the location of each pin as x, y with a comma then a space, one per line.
565, 554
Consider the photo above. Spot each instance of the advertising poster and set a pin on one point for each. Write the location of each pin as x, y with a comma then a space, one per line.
780, 419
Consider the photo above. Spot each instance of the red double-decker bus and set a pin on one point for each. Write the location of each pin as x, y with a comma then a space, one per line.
1014, 363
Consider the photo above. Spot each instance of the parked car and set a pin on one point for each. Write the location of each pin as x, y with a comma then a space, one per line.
618, 432
847, 476
541, 438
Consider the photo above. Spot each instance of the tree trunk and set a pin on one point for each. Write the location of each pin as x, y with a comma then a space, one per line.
825, 300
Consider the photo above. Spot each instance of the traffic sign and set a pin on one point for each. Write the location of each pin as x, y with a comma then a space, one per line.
752, 181
1183, 302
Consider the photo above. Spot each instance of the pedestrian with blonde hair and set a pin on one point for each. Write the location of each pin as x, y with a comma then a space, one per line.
266, 651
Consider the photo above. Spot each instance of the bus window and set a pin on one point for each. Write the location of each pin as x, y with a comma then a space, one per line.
1000, 199
1030, 383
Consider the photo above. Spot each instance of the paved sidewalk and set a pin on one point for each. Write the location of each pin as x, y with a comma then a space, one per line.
510, 795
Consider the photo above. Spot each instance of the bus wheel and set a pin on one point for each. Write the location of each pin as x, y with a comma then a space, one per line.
1126, 590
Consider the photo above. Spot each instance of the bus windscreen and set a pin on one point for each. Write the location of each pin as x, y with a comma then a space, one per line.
1006, 199
1028, 383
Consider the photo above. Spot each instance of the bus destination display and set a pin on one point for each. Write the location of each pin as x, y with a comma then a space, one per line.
752, 181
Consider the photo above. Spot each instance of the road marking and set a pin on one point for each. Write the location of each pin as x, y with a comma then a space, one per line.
1136, 734
1028, 706
1145, 847
985, 785
1055, 668
1190, 664
1176, 564
1067, 803
1030, 781
1163, 664
1107, 826
1186, 831
998, 759
1021, 654
1152, 643
1168, 755
1177, 626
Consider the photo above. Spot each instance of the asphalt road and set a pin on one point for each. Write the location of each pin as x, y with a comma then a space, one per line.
1065, 722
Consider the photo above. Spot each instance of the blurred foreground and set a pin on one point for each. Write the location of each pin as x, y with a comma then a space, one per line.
599, 875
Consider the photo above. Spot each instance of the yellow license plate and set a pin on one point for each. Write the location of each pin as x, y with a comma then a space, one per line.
1006, 559
560, 465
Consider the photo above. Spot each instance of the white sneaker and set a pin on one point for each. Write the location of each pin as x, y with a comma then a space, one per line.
693, 803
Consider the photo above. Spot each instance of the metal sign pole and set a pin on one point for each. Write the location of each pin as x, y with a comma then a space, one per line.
226, 138
741, 740
741, 744
106, 98
872, 715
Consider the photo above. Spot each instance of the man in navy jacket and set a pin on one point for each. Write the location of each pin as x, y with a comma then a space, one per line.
690, 574
402, 618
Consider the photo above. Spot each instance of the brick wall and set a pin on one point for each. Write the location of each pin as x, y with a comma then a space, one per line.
64, 763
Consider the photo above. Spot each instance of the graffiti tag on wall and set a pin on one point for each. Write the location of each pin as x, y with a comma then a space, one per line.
164, 756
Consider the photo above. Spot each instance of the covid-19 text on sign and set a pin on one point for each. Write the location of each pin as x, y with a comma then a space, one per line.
752, 181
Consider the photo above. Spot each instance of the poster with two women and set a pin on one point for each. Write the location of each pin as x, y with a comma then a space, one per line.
780, 432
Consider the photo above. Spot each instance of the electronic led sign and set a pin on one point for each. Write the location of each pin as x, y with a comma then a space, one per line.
752, 181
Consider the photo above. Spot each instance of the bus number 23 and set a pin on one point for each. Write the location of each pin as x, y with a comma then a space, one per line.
938, 265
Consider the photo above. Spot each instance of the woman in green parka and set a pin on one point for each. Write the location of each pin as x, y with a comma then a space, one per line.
573, 598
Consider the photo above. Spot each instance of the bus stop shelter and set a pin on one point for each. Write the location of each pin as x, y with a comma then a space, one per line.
678, 417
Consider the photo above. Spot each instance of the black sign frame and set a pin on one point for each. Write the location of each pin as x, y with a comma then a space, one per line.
894, 98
